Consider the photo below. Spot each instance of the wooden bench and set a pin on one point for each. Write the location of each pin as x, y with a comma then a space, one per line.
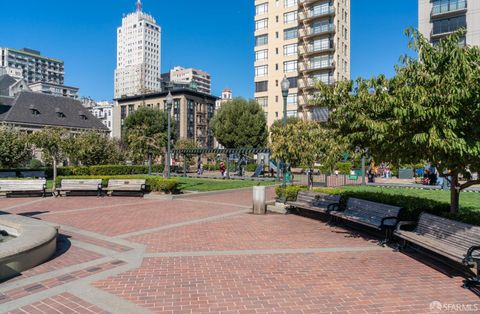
318, 202
32, 174
80, 185
374, 215
126, 186
458, 242
8, 174
10, 187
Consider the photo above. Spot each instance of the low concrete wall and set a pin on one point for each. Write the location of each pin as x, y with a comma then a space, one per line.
35, 243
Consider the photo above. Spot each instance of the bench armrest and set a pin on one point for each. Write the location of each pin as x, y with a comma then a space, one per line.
405, 223
333, 207
382, 224
468, 257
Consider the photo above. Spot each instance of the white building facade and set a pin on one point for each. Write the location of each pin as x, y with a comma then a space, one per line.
32, 65
54, 89
439, 18
103, 111
227, 96
200, 79
138, 55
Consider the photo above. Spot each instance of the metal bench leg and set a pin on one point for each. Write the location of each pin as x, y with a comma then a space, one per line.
388, 233
467, 283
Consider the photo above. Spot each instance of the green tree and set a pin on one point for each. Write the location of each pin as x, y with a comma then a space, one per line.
53, 144
93, 148
145, 132
15, 149
240, 124
428, 111
184, 144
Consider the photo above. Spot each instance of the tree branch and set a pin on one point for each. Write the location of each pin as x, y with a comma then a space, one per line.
469, 184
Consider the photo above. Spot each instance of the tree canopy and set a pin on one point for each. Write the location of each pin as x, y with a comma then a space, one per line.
428, 111
15, 149
240, 124
93, 148
145, 132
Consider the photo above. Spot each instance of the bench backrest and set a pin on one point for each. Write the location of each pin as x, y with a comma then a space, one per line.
9, 174
22, 185
323, 200
81, 183
126, 182
371, 212
306, 197
32, 174
452, 233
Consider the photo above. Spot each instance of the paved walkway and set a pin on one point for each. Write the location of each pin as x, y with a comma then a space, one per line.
207, 254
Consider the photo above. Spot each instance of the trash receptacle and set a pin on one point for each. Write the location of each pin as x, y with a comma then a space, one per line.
259, 200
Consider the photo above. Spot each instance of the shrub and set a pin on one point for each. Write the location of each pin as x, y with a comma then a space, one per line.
412, 206
290, 191
154, 184
344, 167
251, 167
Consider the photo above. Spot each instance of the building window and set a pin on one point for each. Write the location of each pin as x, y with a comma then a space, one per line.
292, 99
292, 113
261, 9
261, 55
443, 6
262, 101
290, 33
290, 66
449, 25
289, 50
293, 82
290, 3
261, 70
261, 40
261, 86
289, 17
261, 24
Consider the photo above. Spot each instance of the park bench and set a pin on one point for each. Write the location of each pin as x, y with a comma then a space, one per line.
32, 174
318, 202
126, 186
10, 187
456, 241
80, 185
370, 214
8, 174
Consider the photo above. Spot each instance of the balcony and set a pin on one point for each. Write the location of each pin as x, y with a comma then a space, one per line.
315, 14
310, 82
311, 50
449, 9
317, 31
316, 66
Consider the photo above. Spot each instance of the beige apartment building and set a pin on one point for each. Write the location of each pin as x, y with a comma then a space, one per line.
304, 40
438, 18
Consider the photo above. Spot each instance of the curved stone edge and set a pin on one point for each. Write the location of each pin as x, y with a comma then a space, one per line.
35, 243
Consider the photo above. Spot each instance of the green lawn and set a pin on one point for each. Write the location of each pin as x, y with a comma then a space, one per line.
469, 201
205, 185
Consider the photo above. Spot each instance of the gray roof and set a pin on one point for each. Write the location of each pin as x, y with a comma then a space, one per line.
48, 107
5, 82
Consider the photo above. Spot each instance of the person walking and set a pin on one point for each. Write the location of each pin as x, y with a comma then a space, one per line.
222, 169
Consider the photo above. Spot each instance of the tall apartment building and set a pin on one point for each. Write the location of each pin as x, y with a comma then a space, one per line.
438, 18
138, 55
304, 40
201, 80
33, 66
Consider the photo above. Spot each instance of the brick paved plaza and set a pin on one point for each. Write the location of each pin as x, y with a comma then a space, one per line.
207, 254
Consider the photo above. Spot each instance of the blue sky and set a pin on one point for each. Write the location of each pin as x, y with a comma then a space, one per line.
213, 35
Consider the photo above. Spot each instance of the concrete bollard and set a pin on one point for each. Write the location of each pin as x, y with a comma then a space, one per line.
259, 200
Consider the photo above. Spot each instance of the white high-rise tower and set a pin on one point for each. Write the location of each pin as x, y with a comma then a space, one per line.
138, 55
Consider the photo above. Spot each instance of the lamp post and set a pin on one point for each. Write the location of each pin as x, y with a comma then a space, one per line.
169, 101
285, 88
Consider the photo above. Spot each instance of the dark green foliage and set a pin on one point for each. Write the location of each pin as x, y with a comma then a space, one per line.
240, 124
290, 191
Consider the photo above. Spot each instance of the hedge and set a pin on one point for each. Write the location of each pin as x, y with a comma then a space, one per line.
154, 184
107, 170
291, 191
412, 206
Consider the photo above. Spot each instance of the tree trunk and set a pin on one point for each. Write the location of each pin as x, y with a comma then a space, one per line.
454, 194
54, 174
